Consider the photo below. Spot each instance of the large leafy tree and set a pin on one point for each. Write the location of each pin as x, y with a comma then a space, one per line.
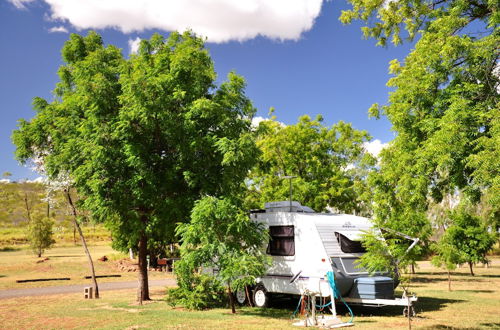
444, 106
142, 138
329, 165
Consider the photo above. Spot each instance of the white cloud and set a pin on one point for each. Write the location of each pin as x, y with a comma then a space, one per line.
58, 29
4, 181
218, 20
133, 45
374, 147
40, 179
387, 3
257, 120
20, 4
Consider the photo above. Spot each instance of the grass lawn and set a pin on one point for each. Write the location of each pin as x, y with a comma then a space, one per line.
474, 303
64, 261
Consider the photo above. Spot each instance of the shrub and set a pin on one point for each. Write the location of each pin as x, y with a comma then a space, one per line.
40, 234
203, 291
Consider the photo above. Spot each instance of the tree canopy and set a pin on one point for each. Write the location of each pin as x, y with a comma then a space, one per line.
444, 106
329, 165
142, 138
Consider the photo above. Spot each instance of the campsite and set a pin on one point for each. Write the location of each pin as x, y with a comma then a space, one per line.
250, 164
436, 309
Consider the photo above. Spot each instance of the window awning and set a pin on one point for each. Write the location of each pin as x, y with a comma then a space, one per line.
353, 235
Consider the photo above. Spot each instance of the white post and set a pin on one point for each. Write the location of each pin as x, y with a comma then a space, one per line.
333, 309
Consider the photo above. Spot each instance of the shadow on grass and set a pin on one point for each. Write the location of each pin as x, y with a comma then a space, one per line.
9, 249
278, 307
429, 304
424, 304
3, 276
284, 308
491, 325
69, 256
438, 273
490, 276
442, 326
477, 291
426, 280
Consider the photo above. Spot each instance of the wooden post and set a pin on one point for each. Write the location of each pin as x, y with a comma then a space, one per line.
313, 312
409, 310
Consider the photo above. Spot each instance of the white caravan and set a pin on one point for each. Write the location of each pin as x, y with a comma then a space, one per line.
305, 245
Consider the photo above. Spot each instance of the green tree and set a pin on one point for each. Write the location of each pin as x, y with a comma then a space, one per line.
143, 138
469, 237
329, 165
39, 234
221, 236
447, 254
444, 107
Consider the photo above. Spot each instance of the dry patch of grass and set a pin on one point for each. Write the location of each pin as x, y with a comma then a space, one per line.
15, 236
117, 310
69, 261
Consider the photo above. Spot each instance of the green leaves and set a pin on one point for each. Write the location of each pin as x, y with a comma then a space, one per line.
142, 138
466, 240
442, 109
39, 233
221, 236
329, 163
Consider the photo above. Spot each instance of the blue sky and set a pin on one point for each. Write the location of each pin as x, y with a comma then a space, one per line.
299, 64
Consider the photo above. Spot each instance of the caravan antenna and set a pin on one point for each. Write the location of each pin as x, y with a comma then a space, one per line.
289, 177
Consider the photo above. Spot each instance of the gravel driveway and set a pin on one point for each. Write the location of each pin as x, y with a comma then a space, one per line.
13, 293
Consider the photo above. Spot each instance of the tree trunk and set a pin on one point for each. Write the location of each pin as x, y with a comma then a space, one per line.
84, 243
249, 298
449, 281
409, 313
231, 298
143, 290
412, 268
470, 267
28, 211
74, 233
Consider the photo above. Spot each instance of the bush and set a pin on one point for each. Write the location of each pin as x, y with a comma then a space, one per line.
40, 234
204, 291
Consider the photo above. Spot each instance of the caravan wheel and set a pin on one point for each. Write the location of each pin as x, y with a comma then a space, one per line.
260, 297
241, 297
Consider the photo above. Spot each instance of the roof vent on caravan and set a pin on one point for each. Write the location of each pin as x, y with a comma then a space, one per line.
286, 206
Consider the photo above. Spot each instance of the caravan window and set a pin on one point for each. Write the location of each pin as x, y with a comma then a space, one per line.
282, 242
348, 246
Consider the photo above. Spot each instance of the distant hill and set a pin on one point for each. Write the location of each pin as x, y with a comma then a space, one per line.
21, 200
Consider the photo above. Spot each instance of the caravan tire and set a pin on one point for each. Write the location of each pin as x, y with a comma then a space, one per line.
260, 297
241, 297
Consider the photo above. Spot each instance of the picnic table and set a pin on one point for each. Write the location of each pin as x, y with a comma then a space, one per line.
167, 264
